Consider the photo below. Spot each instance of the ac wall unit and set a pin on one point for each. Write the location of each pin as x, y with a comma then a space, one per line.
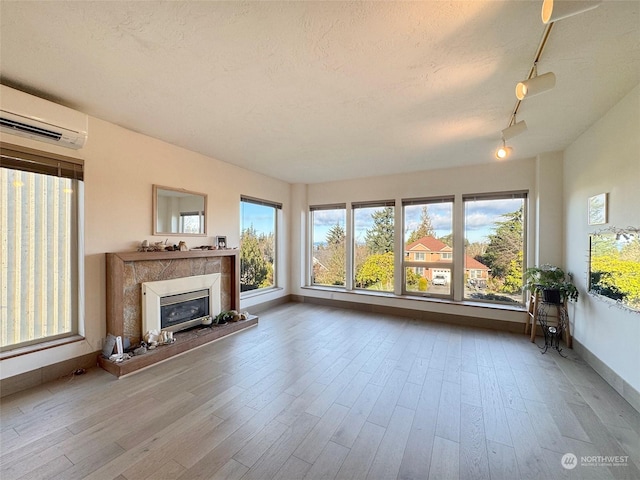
38, 119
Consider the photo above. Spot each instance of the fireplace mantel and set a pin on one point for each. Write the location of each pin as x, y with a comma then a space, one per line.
126, 271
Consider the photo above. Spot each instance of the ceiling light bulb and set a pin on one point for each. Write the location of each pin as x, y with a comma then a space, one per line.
554, 10
503, 152
535, 85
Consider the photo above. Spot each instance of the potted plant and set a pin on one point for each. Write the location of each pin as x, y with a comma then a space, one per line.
554, 284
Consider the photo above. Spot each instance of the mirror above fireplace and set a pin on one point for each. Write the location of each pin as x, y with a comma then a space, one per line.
179, 212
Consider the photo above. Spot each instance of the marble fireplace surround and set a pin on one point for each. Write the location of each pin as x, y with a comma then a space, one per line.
127, 271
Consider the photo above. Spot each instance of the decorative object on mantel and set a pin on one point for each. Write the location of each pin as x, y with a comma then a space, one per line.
221, 242
614, 267
145, 246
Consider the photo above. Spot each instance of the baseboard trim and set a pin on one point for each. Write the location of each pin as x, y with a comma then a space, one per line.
23, 381
513, 327
626, 391
261, 307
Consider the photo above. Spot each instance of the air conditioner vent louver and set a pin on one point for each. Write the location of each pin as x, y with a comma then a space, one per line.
38, 119
23, 127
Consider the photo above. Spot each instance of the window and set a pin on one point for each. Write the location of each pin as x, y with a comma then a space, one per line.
40, 201
428, 245
494, 247
192, 222
258, 222
373, 227
328, 246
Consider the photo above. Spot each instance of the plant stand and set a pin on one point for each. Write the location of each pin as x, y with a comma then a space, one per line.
536, 308
553, 326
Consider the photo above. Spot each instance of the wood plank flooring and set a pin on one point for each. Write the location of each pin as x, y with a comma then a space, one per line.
322, 393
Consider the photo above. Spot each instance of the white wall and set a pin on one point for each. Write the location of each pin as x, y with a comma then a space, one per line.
120, 168
515, 175
605, 159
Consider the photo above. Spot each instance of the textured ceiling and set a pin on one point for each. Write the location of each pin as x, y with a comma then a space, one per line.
318, 91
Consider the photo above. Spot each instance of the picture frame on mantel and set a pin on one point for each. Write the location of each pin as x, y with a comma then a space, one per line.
597, 209
221, 242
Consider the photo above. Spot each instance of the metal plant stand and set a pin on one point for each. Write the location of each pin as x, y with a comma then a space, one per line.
553, 326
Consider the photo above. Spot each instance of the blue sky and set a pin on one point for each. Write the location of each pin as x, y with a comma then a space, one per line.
259, 216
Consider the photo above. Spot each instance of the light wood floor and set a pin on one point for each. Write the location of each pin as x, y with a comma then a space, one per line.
315, 392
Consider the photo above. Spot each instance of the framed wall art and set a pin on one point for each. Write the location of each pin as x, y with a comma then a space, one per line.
598, 209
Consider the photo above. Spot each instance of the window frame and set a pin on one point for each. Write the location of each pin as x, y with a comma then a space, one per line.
310, 276
276, 237
428, 265
515, 194
19, 158
359, 205
454, 269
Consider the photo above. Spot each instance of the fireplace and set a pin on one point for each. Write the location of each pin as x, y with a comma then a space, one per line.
180, 303
127, 271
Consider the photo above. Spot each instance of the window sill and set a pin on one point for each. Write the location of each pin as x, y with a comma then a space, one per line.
17, 352
441, 301
259, 292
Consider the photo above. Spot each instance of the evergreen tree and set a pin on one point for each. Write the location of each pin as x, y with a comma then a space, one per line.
254, 269
335, 235
505, 244
425, 228
379, 238
448, 240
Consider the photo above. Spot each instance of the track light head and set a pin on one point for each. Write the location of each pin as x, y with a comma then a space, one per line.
554, 10
503, 151
535, 85
515, 129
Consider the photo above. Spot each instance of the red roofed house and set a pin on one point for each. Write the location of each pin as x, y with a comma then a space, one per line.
430, 249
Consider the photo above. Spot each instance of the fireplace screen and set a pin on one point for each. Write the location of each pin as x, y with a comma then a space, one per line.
176, 310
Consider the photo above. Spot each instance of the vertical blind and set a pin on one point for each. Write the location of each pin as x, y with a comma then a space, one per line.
38, 224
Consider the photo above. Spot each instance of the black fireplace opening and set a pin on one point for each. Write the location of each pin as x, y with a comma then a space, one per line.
184, 310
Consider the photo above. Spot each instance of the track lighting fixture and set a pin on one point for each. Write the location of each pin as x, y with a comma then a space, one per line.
535, 85
503, 151
515, 129
554, 10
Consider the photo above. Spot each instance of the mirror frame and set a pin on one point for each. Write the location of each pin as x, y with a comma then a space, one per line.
154, 219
